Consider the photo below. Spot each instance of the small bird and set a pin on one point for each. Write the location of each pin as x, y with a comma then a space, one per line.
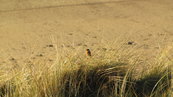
88, 52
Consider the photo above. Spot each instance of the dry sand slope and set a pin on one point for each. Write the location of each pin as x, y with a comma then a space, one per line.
28, 28
8, 5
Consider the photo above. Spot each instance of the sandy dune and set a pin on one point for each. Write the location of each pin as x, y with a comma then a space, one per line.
8, 5
28, 29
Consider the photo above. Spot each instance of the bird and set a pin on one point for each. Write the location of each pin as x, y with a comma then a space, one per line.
88, 52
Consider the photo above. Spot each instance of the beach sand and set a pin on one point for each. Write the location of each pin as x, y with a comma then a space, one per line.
36, 30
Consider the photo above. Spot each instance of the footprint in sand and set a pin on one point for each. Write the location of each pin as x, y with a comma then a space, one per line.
85, 45
87, 34
39, 55
94, 37
149, 34
93, 44
23, 47
68, 46
79, 44
161, 34
49, 45
146, 39
33, 58
102, 49
70, 34
131, 43
50, 60
156, 47
12, 59
3, 62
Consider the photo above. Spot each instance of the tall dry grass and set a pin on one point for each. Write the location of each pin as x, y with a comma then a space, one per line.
110, 72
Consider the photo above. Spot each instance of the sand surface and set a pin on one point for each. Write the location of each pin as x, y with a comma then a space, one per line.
28, 28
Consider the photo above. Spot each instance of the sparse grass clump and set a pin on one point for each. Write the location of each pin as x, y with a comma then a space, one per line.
156, 83
96, 81
114, 80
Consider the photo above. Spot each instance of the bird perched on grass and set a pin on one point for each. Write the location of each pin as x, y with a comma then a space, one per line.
88, 52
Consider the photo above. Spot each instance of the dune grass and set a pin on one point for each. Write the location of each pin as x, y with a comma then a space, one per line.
110, 72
